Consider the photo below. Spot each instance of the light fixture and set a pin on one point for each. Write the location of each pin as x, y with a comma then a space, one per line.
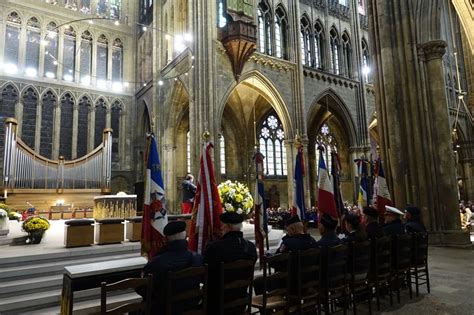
117, 22
67, 26
55, 62
10, 68
365, 70
60, 202
101, 84
31, 72
68, 77
144, 28
144, 84
49, 75
160, 83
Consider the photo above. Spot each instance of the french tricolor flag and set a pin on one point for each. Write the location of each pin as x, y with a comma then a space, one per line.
381, 189
326, 201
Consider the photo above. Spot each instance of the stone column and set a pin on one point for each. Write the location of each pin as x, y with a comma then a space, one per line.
22, 48
19, 116
441, 131
42, 55
94, 62
108, 118
169, 155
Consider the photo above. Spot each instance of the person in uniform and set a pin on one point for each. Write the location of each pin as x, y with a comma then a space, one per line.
231, 247
413, 220
189, 191
372, 226
355, 231
174, 256
393, 224
327, 229
295, 238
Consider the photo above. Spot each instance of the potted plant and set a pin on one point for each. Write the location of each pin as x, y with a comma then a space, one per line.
4, 222
35, 226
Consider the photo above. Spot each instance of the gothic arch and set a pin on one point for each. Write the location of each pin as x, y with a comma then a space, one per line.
70, 93
338, 108
267, 89
30, 86
179, 107
86, 95
53, 91
12, 84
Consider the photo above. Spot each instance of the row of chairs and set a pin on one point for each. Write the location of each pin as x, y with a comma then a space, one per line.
310, 281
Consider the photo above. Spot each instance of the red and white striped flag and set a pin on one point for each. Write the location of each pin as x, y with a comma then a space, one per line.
326, 201
381, 189
205, 223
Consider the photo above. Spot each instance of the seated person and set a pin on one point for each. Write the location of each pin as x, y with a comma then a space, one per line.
372, 226
393, 224
174, 256
355, 231
327, 228
231, 247
413, 218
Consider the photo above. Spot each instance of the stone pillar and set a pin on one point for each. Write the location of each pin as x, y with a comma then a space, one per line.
169, 155
108, 118
441, 131
22, 48
19, 116
94, 62
42, 55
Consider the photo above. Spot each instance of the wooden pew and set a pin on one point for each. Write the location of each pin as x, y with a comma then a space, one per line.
89, 276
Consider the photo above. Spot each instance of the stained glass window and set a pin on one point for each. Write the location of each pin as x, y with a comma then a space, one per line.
327, 141
271, 142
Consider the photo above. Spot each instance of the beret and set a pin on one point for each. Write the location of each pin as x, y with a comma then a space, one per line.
174, 227
292, 220
353, 219
414, 211
393, 210
371, 212
328, 222
231, 217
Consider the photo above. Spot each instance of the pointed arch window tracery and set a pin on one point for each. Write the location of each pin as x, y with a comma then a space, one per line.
327, 141
271, 138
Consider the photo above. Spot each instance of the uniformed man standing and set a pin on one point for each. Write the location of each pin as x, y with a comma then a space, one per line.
393, 224
174, 256
413, 220
372, 226
189, 191
231, 247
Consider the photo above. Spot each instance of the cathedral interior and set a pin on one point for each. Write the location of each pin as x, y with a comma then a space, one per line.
358, 77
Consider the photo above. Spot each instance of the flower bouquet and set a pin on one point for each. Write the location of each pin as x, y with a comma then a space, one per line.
4, 221
35, 227
236, 197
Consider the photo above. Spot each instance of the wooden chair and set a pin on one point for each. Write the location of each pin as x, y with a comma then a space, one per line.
230, 284
305, 296
275, 295
401, 263
127, 284
359, 267
335, 279
197, 295
381, 270
419, 264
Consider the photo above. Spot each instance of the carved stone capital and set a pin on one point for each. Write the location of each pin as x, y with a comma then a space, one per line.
434, 49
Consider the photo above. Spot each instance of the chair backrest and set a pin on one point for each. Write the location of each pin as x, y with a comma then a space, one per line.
420, 249
402, 256
127, 284
187, 290
236, 285
359, 260
280, 263
382, 253
336, 267
308, 270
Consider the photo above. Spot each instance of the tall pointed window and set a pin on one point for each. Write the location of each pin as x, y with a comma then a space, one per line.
86, 57
100, 121
264, 28
102, 61
30, 102
117, 61
366, 62
271, 142
65, 139
318, 45
326, 140
222, 152
347, 55
188, 153
12, 43
69, 54
281, 33
221, 15
33, 39
116, 113
114, 7
51, 52
305, 39
335, 48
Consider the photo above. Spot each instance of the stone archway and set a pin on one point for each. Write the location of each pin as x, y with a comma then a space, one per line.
329, 111
246, 105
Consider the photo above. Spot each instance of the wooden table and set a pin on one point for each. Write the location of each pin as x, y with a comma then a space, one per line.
89, 276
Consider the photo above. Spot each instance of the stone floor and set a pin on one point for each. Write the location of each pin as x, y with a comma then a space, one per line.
451, 275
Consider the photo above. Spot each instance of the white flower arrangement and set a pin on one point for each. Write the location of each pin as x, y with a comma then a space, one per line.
3, 214
235, 197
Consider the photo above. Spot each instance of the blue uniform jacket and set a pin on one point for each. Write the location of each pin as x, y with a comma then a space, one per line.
394, 228
414, 226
